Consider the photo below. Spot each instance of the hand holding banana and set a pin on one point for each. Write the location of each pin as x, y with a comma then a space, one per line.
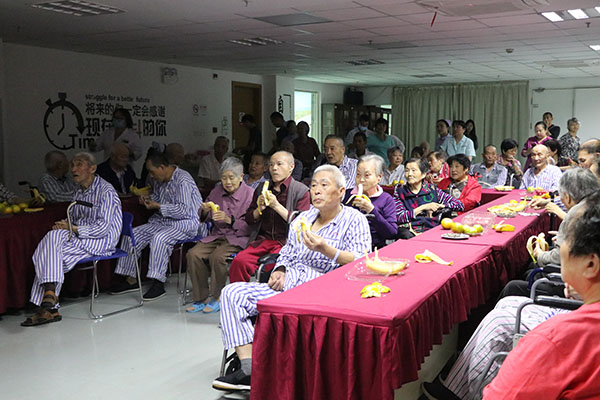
538, 241
264, 200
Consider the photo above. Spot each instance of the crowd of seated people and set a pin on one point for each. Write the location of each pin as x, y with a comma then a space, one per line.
251, 222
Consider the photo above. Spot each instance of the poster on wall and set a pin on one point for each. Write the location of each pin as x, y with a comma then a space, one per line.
75, 123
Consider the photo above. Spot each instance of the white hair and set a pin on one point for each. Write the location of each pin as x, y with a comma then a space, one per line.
232, 164
578, 183
379, 162
338, 177
87, 157
288, 155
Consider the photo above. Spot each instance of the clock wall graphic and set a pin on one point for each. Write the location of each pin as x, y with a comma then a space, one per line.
63, 122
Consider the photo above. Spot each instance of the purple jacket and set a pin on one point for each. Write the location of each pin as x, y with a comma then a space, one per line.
383, 223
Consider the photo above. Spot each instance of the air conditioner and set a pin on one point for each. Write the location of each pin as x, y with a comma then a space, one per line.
469, 8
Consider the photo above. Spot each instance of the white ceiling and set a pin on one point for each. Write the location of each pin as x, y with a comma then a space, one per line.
195, 32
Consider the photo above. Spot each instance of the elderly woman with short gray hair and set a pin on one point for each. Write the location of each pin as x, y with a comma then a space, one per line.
230, 233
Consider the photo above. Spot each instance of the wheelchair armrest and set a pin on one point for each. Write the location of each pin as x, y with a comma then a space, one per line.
268, 259
558, 302
551, 268
554, 277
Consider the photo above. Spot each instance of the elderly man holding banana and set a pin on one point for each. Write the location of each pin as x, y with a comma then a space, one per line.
269, 214
334, 235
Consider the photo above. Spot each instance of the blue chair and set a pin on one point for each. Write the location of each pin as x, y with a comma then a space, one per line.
127, 230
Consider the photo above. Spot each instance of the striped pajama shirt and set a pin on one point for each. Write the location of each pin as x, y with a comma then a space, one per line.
99, 229
494, 334
176, 220
56, 189
348, 231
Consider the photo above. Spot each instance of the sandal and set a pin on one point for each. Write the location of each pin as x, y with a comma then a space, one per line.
49, 300
196, 307
42, 317
212, 307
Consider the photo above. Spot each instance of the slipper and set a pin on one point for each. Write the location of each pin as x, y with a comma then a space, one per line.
195, 307
213, 305
42, 317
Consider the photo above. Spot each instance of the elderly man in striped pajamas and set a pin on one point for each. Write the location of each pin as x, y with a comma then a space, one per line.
96, 231
338, 235
176, 200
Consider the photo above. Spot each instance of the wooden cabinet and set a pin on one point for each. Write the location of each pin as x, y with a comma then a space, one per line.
339, 119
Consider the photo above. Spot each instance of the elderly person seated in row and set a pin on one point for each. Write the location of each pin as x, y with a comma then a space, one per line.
418, 201
96, 232
359, 146
208, 259
175, 201
541, 174
380, 206
438, 167
288, 146
460, 184
334, 153
208, 168
259, 165
116, 170
494, 333
394, 172
489, 173
338, 235
269, 215
508, 159
55, 185
567, 344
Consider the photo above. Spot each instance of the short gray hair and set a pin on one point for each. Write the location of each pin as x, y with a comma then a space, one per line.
338, 177
379, 162
87, 157
51, 159
336, 138
232, 164
578, 183
288, 155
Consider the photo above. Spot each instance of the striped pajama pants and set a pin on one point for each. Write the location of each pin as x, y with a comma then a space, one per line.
161, 239
54, 256
238, 304
494, 334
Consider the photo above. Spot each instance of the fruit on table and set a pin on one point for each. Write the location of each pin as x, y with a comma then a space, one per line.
503, 228
16, 209
32, 210
470, 230
538, 241
383, 267
457, 227
478, 228
512, 206
375, 289
23, 205
428, 256
446, 223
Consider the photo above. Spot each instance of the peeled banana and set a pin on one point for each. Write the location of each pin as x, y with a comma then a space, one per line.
38, 196
511, 207
428, 256
302, 226
214, 207
265, 191
374, 290
540, 242
145, 191
359, 194
383, 267
503, 228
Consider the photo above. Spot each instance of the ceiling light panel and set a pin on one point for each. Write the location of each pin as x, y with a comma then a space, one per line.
578, 13
595, 47
293, 19
77, 8
552, 16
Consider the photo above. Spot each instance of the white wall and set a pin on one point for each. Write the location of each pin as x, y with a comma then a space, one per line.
33, 75
328, 93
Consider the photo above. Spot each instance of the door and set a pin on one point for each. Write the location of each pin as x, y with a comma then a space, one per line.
246, 98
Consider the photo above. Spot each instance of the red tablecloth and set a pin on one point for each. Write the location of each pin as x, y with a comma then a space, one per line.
321, 340
19, 236
488, 195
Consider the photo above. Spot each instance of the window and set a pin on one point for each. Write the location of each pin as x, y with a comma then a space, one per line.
389, 118
307, 109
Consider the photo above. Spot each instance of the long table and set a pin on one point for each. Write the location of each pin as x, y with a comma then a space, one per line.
321, 340
19, 236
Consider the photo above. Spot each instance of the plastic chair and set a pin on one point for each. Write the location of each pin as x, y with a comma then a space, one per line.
127, 231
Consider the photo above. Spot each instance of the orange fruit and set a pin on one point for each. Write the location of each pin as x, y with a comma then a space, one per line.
457, 227
446, 223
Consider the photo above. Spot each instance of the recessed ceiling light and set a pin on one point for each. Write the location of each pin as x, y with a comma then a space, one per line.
598, 10
595, 47
78, 8
552, 16
578, 13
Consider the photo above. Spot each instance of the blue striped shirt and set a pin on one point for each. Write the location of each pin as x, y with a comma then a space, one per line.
179, 201
55, 189
99, 227
348, 231
348, 169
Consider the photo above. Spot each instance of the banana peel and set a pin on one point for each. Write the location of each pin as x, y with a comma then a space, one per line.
32, 210
214, 207
511, 207
428, 256
264, 192
375, 289
41, 199
503, 228
359, 195
538, 241
381, 267
302, 226
145, 191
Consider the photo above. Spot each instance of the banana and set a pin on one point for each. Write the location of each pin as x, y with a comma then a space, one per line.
359, 194
32, 210
540, 242
264, 192
383, 267
503, 228
302, 226
214, 207
145, 191
397, 182
511, 207
428, 256
37, 195
374, 290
